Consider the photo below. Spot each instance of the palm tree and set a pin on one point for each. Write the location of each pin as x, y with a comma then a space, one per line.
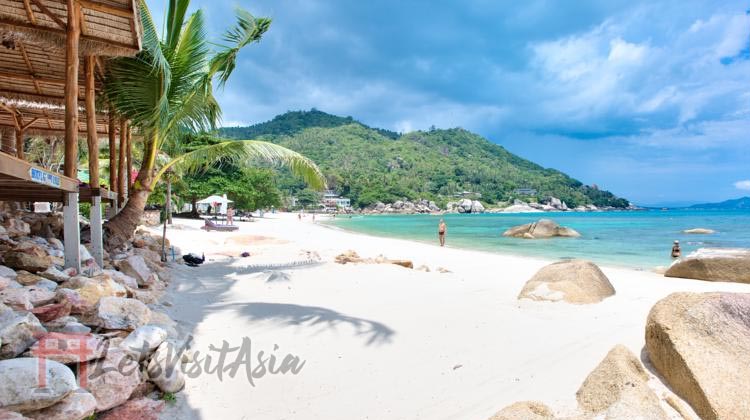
167, 89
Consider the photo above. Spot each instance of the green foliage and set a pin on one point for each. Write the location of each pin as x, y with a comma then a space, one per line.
366, 166
308, 198
169, 397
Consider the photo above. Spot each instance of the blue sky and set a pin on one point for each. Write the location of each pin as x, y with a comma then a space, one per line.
650, 100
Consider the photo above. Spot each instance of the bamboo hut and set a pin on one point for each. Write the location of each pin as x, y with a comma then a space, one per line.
52, 61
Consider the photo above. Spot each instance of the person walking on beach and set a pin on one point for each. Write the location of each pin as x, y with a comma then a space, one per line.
442, 229
230, 215
676, 251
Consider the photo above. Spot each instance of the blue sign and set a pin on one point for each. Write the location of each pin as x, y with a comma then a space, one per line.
43, 177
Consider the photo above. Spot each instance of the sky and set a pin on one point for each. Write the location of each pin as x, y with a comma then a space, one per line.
648, 99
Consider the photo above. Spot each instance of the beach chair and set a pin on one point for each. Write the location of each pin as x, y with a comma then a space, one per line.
210, 225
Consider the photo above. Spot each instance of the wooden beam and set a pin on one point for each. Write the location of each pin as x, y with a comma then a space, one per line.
121, 180
51, 15
71, 89
112, 153
24, 126
111, 10
92, 139
32, 78
20, 132
29, 12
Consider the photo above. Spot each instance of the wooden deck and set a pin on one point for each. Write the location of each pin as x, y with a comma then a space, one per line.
85, 194
22, 181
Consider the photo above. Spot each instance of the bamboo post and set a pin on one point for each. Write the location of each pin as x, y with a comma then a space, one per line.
70, 208
92, 141
130, 160
20, 132
121, 181
112, 132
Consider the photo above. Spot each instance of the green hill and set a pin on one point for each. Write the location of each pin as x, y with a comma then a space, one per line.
370, 165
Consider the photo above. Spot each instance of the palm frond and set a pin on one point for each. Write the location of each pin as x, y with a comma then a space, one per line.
245, 153
247, 30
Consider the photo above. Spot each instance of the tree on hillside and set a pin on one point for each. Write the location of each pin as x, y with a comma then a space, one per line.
167, 89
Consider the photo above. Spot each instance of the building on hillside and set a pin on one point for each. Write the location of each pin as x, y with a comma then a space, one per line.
333, 201
525, 191
468, 194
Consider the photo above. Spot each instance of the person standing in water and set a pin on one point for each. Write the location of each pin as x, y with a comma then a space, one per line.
442, 229
676, 251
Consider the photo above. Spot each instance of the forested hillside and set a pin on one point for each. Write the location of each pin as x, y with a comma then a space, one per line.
369, 165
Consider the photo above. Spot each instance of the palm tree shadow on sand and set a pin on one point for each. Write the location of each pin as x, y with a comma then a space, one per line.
286, 314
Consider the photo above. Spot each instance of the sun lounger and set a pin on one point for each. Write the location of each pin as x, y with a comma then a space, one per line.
209, 226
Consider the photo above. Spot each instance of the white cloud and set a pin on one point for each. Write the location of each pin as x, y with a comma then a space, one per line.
743, 185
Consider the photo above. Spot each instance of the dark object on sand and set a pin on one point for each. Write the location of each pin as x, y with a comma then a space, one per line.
245, 254
194, 260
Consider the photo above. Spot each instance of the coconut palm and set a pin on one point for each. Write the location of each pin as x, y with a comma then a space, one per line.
167, 89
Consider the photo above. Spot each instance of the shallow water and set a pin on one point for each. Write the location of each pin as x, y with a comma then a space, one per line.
640, 239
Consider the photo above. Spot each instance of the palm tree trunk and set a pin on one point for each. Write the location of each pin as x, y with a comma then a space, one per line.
169, 201
120, 228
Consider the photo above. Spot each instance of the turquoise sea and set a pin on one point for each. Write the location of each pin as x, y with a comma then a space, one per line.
637, 239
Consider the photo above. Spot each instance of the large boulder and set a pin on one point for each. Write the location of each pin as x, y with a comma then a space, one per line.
21, 260
91, 290
699, 343
68, 348
135, 266
713, 264
18, 331
7, 272
524, 410
618, 389
699, 231
477, 207
52, 311
116, 313
21, 389
543, 228
122, 278
135, 409
143, 341
574, 281
78, 405
164, 368
112, 379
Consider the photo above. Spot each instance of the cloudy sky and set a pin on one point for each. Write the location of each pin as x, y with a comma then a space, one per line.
648, 99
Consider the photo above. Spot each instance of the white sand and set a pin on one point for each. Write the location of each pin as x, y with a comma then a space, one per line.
385, 342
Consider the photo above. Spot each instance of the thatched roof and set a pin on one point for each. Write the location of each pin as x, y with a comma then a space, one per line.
45, 119
108, 27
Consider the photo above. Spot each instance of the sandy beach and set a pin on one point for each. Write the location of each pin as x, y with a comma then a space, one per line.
380, 341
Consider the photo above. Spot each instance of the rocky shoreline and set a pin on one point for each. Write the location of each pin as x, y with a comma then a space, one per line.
467, 206
99, 335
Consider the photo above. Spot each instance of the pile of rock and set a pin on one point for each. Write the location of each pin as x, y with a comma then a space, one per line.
465, 206
403, 207
541, 229
697, 344
103, 319
351, 257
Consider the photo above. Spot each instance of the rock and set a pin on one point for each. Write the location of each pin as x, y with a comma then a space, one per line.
54, 274
699, 343
16, 227
11, 415
37, 295
543, 228
424, 268
7, 272
137, 409
112, 379
524, 410
45, 284
71, 297
4, 283
143, 341
618, 389
78, 405
56, 244
25, 261
164, 368
91, 290
75, 328
116, 313
574, 281
51, 312
18, 331
20, 387
135, 266
26, 279
68, 348
699, 231
17, 299
476, 207
349, 256
122, 278
402, 263
713, 264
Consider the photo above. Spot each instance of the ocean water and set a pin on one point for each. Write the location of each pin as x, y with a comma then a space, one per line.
638, 239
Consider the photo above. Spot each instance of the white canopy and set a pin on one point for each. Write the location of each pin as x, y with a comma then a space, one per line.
221, 200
